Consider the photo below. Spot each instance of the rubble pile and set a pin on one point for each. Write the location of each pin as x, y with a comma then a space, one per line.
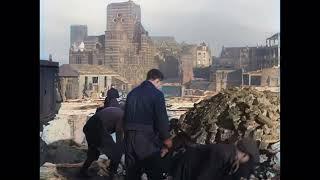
235, 113
65, 151
66, 171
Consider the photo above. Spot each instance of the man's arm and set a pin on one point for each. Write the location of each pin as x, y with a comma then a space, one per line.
119, 127
116, 92
162, 121
119, 132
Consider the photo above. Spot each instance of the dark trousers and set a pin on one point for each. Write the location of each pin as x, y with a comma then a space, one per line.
142, 155
108, 147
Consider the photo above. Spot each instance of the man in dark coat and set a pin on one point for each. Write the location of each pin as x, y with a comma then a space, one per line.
216, 161
98, 130
111, 99
146, 127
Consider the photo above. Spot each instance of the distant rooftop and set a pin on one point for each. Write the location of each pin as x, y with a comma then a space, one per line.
74, 70
275, 36
122, 3
49, 63
91, 38
163, 38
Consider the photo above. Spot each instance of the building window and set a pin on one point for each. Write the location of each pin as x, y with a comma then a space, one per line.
78, 60
123, 87
199, 53
85, 82
95, 80
105, 81
255, 80
90, 58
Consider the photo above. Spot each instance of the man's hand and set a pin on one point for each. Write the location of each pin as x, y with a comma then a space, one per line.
163, 152
168, 143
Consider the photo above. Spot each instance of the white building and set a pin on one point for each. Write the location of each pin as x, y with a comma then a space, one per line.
204, 57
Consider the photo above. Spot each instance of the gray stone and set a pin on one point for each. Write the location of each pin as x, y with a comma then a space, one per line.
257, 135
263, 158
276, 147
276, 160
263, 145
270, 174
266, 129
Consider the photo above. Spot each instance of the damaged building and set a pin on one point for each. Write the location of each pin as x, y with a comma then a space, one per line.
170, 67
186, 69
126, 46
88, 51
269, 77
78, 80
248, 66
167, 51
252, 58
50, 98
226, 78
176, 63
166, 46
204, 57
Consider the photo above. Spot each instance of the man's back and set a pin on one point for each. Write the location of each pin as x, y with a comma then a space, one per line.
107, 120
140, 106
111, 118
146, 127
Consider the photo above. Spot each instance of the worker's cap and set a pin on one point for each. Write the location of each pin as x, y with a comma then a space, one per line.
249, 146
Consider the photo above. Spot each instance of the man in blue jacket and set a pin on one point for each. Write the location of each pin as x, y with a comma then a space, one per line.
146, 127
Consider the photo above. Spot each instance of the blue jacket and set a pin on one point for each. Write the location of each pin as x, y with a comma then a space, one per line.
145, 110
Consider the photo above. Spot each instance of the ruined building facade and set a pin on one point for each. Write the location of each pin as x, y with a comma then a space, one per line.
248, 66
78, 80
204, 57
252, 58
126, 46
89, 51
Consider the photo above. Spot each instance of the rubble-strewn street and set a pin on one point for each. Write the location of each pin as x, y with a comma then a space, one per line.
69, 122
236, 113
215, 81
223, 118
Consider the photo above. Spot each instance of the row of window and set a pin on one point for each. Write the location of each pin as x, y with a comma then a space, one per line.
199, 53
78, 60
90, 60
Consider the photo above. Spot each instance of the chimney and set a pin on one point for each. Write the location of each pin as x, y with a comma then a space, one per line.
50, 57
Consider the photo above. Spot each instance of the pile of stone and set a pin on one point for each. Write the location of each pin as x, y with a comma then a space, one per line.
236, 113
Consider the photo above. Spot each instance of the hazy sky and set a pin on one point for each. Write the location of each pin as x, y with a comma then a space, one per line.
218, 22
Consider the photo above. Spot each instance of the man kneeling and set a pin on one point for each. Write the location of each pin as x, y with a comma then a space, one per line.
214, 161
98, 130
